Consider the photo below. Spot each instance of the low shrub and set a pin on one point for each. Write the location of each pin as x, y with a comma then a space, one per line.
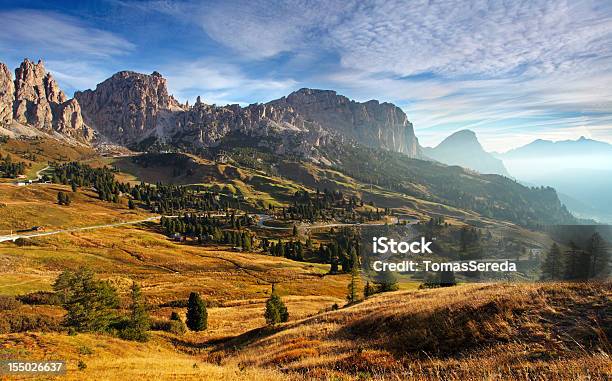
8, 303
178, 303
176, 327
13, 322
41, 298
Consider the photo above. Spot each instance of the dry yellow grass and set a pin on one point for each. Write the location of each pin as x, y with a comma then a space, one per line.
471, 332
36, 205
493, 331
108, 358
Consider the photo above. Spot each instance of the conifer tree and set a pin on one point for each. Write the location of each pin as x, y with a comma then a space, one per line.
353, 286
139, 322
89, 303
551, 267
197, 315
60, 198
600, 256
276, 311
368, 290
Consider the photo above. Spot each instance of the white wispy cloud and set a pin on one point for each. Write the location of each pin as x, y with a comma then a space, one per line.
49, 32
76, 75
493, 66
221, 83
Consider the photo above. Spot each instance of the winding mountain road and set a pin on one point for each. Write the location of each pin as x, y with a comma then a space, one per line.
14, 237
261, 223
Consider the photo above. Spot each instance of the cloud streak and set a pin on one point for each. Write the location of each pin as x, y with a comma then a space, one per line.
47, 32
488, 65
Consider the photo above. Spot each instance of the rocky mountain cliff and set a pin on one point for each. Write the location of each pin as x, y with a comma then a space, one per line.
131, 107
463, 148
128, 106
374, 124
35, 99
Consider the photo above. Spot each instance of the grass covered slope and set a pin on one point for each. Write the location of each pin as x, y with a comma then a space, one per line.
36, 205
95, 357
478, 331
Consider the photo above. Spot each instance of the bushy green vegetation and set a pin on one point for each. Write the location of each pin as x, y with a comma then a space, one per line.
10, 169
90, 303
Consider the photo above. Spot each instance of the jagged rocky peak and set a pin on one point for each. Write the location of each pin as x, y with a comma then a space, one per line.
371, 123
7, 95
128, 106
34, 83
35, 99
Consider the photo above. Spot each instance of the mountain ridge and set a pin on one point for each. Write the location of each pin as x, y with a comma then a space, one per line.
308, 117
463, 148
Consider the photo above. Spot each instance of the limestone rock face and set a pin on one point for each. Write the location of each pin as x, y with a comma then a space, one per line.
35, 99
69, 121
131, 107
128, 106
7, 95
374, 124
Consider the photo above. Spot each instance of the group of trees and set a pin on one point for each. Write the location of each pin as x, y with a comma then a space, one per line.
326, 205
10, 169
576, 263
161, 198
93, 305
171, 199
207, 228
80, 175
341, 252
289, 249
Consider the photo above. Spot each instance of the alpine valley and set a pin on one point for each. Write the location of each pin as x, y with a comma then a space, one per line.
145, 238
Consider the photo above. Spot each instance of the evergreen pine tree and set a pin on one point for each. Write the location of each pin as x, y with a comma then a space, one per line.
139, 318
89, 303
276, 312
197, 316
368, 290
60, 198
551, 267
600, 256
353, 286
571, 262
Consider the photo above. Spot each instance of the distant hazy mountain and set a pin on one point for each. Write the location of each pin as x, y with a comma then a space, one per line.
581, 170
546, 148
463, 148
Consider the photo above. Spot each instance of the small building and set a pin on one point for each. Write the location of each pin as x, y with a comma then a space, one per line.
222, 158
536, 252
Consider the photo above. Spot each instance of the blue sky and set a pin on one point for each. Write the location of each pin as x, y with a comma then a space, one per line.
510, 70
